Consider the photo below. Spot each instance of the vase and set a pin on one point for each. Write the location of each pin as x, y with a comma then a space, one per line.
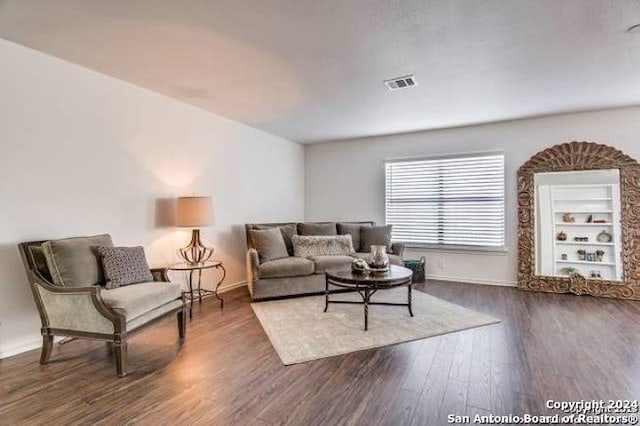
379, 259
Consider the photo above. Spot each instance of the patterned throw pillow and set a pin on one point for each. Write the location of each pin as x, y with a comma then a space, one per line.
124, 265
321, 245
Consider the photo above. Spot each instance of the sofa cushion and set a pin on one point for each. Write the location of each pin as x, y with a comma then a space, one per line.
311, 228
137, 299
394, 259
353, 229
375, 236
322, 245
324, 263
287, 231
124, 266
269, 244
74, 262
287, 267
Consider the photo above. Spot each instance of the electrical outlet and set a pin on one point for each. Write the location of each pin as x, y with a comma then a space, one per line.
440, 264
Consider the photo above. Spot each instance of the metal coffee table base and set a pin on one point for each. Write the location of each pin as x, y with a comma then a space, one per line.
366, 294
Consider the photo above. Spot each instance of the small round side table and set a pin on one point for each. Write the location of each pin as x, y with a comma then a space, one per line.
190, 270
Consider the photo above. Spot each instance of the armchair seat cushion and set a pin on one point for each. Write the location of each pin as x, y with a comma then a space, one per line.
286, 267
394, 259
135, 300
324, 263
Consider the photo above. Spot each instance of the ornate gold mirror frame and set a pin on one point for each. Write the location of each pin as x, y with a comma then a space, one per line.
570, 157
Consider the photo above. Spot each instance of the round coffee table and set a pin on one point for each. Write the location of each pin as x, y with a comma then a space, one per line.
367, 285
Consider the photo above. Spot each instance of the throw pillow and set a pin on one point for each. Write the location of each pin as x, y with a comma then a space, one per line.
124, 265
352, 229
317, 228
269, 244
375, 236
74, 262
287, 231
322, 245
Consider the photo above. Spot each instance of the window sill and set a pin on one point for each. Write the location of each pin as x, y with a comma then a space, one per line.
491, 251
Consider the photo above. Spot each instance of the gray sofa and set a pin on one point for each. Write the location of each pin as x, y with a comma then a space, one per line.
296, 276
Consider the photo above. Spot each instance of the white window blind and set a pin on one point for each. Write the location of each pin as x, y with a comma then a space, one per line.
454, 201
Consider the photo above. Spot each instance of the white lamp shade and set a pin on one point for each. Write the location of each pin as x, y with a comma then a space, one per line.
194, 212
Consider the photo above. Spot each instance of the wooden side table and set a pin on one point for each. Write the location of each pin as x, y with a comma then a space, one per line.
196, 292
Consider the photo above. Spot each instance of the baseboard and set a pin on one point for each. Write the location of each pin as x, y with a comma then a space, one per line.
503, 283
225, 288
30, 345
36, 342
232, 286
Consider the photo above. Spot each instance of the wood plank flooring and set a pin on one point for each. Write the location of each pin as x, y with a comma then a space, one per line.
547, 346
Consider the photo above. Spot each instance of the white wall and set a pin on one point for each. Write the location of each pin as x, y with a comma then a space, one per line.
345, 179
82, 153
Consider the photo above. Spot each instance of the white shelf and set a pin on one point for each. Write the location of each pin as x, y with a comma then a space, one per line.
586, 262
582, 243
590, 211
583, 224
581, 200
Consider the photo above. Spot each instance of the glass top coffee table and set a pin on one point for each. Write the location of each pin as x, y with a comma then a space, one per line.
367, 284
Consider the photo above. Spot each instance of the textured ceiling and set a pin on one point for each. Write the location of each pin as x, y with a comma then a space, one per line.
312, 70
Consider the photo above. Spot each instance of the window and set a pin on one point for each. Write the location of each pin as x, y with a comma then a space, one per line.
447, 201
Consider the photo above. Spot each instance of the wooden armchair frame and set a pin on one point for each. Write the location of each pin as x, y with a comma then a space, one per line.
109, 325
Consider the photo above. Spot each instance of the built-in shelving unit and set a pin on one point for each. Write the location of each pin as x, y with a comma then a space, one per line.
584, 204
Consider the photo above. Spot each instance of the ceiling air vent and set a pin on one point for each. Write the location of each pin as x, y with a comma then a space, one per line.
401, 82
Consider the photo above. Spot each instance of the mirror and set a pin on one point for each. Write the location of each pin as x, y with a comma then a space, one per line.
579, 221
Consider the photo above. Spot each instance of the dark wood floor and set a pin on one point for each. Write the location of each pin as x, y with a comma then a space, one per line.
547, 346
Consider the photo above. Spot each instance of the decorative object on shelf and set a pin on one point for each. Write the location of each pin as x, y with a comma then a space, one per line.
360, 266
418, 266
195, 213
379, 260
595, 274
599, 255
564, 256
589, 219
581, 239
569, 270
562, 236
604, 237
567, 218
600, 221
591, 257
582, 255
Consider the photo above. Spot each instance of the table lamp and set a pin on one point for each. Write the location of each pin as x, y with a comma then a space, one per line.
195, 213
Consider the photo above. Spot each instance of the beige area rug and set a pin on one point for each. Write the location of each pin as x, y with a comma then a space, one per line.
300, 331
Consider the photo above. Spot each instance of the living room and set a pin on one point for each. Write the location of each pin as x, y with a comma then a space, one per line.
452, 136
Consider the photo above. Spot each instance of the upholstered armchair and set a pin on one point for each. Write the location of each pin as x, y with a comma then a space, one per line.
93, 312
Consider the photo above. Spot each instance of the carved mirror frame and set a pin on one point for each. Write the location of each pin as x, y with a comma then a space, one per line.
570, 157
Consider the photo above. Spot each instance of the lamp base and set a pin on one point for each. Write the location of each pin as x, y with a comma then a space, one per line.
196, 252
